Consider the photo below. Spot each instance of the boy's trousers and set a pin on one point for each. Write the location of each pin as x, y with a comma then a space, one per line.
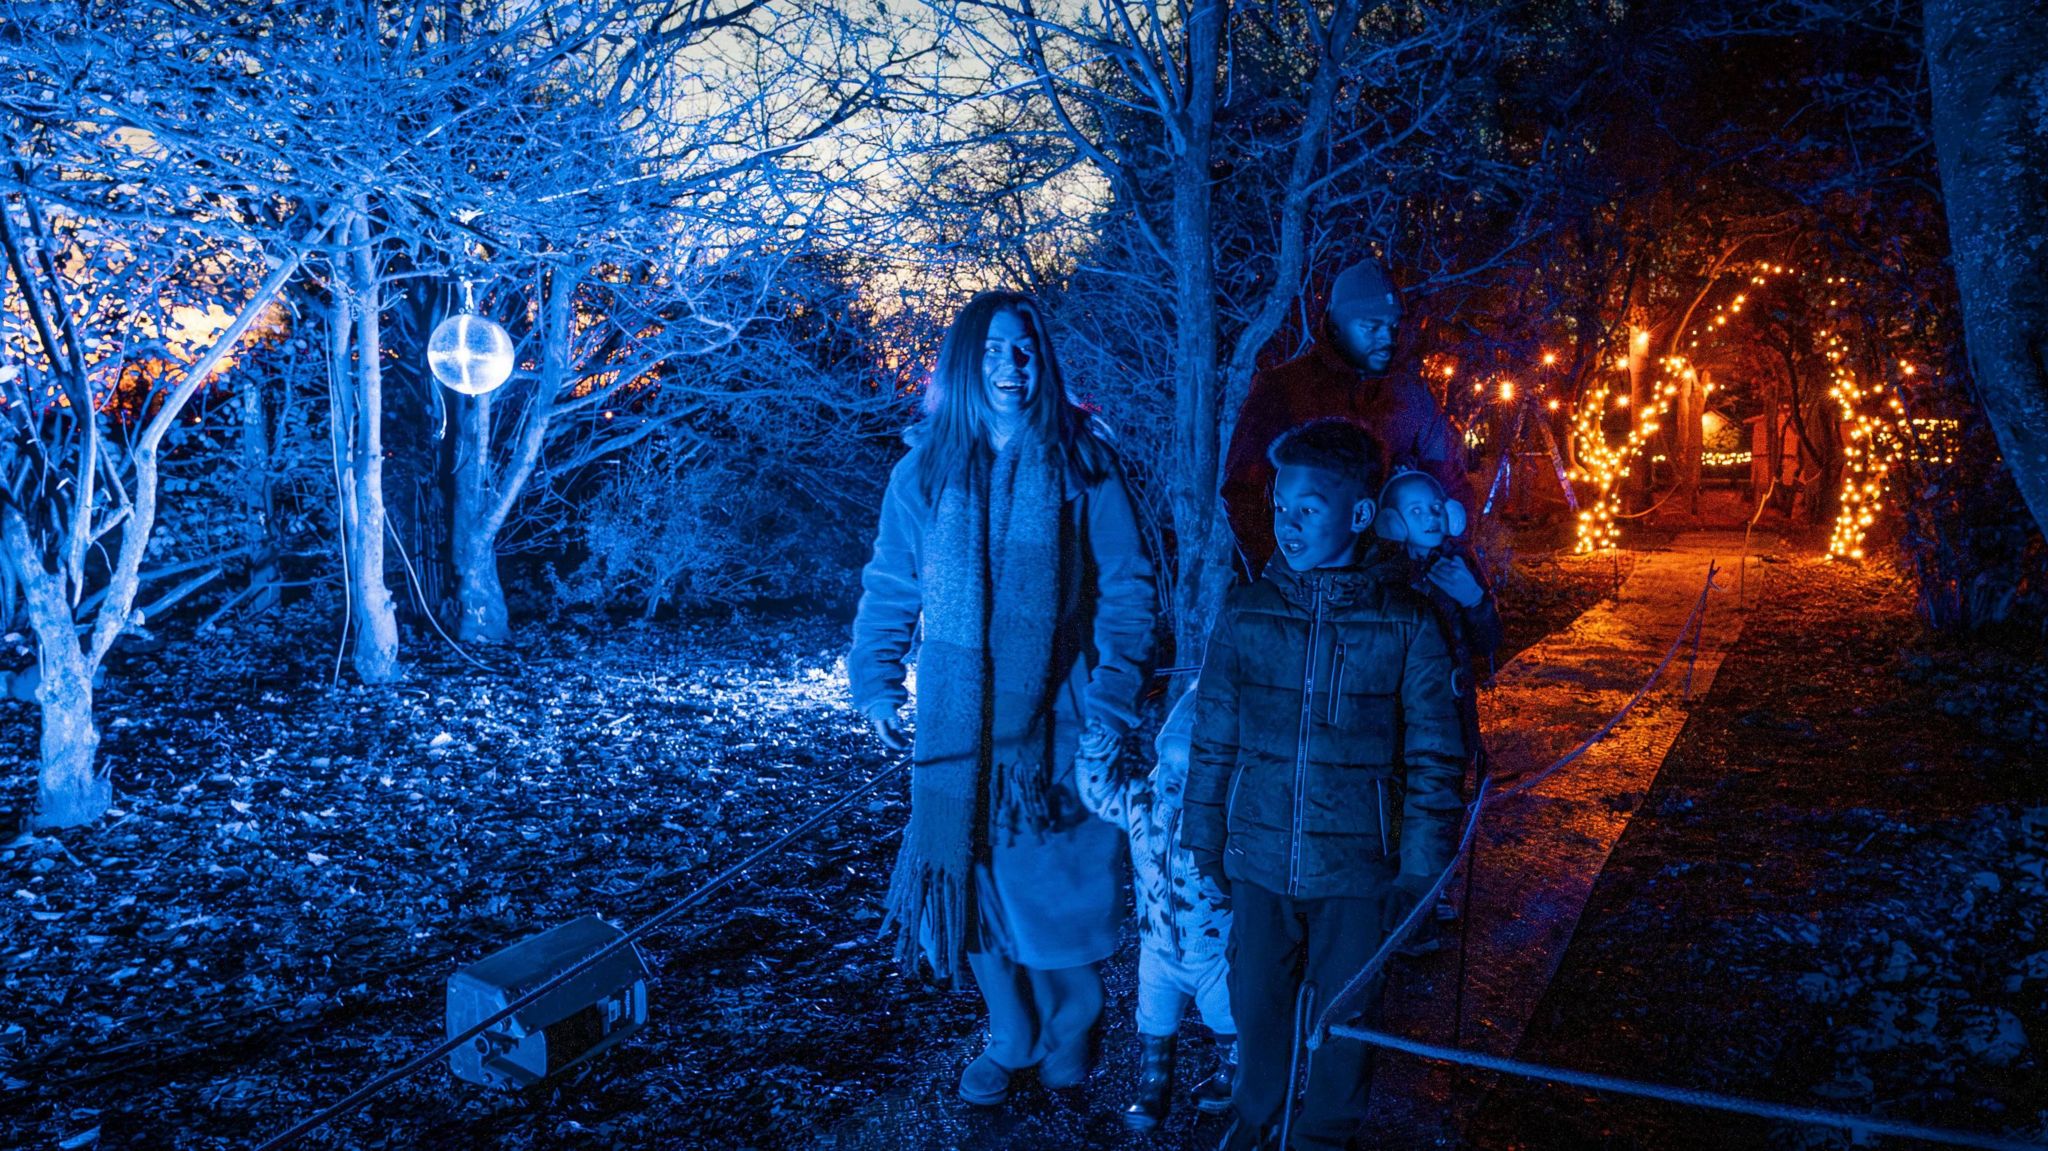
1275, 943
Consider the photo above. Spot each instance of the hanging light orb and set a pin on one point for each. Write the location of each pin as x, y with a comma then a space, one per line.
470, 354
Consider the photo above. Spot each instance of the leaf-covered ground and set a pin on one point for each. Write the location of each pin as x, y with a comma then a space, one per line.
293, 869
1835, 896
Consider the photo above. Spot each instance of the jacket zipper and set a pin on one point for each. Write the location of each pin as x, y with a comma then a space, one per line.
1379, 789
1336, 684
1308, 705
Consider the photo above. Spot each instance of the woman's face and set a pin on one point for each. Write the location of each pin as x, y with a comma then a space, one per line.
1009, 364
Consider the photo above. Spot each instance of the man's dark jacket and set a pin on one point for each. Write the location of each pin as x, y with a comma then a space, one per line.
1327, 753
1317, 384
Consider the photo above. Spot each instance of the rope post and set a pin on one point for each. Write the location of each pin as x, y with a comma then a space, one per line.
1464, 937
1304, 1014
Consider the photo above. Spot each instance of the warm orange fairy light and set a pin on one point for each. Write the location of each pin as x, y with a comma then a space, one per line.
1607, 464
1507, 390
1549, 358
1553, 405
1449, 371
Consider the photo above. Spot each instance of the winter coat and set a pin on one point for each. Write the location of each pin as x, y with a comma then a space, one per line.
1108, 600
1327, 757
1182, 913
1317, 384
1052, 896
1474, 634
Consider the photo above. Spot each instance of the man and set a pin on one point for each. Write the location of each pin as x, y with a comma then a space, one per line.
1343, 374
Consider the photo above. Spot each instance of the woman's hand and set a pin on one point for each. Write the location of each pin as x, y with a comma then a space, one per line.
1450, 574
1099, 745
887, 720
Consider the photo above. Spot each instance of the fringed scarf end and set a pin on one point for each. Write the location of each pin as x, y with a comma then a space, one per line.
927, 909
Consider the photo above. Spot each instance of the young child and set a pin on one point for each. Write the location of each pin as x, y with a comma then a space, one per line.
1183, 920
1415, 514
1324, 776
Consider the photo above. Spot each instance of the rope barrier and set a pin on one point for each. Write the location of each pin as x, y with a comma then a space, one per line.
1691, 1096
1356, 986
365, 1093
1606, 729
1326, 1026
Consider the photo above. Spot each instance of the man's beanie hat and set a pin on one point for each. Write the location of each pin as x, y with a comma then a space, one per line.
1362, 291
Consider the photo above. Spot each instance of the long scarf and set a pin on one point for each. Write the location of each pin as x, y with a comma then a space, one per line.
983, 754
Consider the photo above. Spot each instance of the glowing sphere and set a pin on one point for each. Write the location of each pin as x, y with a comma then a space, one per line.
470, 354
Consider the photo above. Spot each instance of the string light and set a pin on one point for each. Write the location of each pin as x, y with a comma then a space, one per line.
1876, 443
1605, 464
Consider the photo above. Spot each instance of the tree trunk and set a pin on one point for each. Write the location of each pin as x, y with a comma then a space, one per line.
376, 646
259, 525
1692, 436
484, 494
1204, 560
1987, 74
69, 792
480, 596
1642, 392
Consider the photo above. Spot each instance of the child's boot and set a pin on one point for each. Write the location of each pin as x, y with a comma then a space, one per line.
1155, 1083
1213, 1094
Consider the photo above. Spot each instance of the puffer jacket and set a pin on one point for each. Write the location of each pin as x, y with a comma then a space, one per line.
1327, 753
1181, 912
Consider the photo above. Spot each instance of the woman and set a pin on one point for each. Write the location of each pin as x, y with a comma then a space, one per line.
1007, 526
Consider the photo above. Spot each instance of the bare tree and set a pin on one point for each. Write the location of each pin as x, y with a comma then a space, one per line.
1227, 191
86, 434
653, 208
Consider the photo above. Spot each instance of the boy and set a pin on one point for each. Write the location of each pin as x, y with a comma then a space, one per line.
1183, 920
1325, 772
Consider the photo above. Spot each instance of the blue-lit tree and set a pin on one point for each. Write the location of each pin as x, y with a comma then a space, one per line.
1240, 149
137, 258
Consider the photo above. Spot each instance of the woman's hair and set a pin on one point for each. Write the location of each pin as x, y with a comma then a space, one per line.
957, 414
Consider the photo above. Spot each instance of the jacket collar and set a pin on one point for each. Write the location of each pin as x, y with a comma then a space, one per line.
1332, 361
1372, 567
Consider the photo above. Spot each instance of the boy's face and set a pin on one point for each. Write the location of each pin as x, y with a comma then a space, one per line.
1317, 516
1418, 505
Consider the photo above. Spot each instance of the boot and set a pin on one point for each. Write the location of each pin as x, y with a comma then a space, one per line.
1213, 1094
1155, 1083
985, 1082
